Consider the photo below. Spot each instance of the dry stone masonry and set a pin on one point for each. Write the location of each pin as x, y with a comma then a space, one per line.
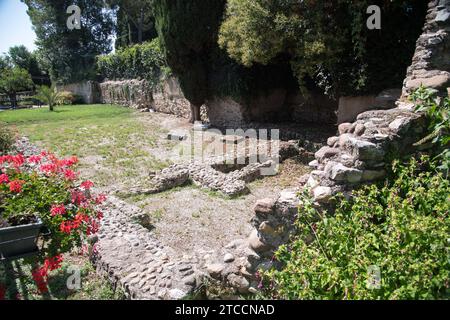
431, 61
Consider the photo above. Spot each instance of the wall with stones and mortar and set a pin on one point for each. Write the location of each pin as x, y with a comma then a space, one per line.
139, 94
431, 62
88, 91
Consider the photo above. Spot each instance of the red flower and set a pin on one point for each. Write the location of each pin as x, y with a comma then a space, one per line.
18, 160
86, 185
34, 159
78, 197
100, 199
49, 168
16, 186
99, 215
59, 209
4, 178
69, 162
70, 175
40, 278
93, 227
53, 263
65, 227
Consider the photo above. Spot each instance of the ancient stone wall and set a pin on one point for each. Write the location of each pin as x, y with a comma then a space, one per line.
139, 94
431, 61
87, 91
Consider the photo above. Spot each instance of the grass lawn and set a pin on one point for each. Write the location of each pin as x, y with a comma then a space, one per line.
111, 142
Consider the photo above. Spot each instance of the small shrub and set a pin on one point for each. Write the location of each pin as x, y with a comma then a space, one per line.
389, 242
66, 98
7, 138
437, 111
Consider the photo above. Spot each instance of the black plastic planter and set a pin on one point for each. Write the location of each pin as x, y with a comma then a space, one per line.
20, 241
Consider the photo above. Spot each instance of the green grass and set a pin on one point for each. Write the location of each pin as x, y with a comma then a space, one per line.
111, 142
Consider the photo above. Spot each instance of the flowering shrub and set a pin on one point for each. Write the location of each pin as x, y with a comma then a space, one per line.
44, 187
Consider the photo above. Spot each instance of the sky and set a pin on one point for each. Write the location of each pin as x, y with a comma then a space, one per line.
15, 26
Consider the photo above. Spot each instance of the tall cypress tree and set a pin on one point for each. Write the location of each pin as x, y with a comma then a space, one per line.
188, 32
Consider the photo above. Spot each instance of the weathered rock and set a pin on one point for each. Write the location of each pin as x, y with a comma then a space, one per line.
341, 173
344, 127
238, 282
228, 258
215, 269
322, 194
255, 242
332, 141
326, 153
364, 150
264, 206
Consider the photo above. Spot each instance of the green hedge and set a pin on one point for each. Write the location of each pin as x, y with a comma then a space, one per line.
141, 61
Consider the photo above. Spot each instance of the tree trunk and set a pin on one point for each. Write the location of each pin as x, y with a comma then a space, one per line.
13, 99
130, 35
141, 26
195, 113
50, 107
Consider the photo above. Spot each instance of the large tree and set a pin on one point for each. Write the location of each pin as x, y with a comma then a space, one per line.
188, 33
327, 41
71, 54
135, 21
21, 57
13, 80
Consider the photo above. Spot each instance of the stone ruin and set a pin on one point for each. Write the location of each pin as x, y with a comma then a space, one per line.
132, 257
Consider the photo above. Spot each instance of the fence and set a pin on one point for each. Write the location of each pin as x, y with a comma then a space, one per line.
25, 99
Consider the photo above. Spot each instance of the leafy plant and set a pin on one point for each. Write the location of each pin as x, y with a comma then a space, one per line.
49, 96
141, 61
66, 98
389, 242
437, 110
7, 138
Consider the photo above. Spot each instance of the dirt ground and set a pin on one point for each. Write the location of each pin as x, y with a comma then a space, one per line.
190, 218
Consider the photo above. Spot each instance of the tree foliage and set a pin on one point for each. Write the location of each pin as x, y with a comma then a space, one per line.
21, 57
13, 80
188, 33
135, 21
326, 40
49, 96
71, 54
141, 61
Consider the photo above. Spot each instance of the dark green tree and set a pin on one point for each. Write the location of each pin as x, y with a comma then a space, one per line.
71, 54
188, 33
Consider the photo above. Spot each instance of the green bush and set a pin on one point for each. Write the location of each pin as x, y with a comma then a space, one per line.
7, 138
393, 236
141, 61
66, 98
437, 111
